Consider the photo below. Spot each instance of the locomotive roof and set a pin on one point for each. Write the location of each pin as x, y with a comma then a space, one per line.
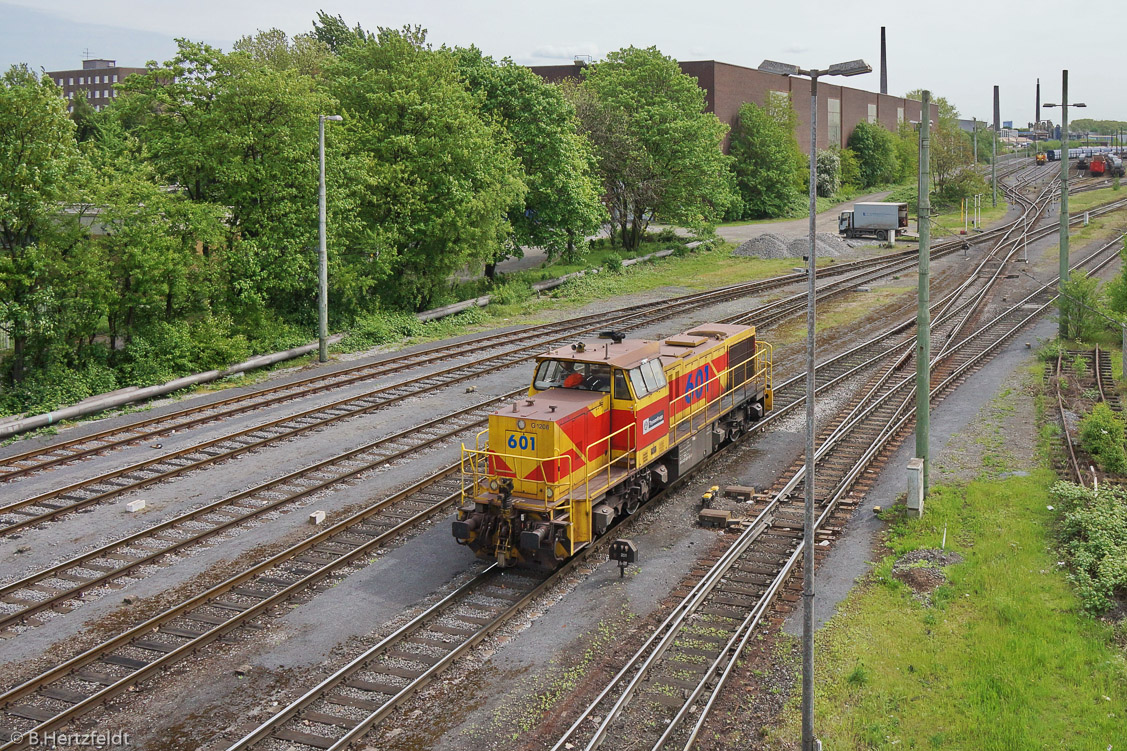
630, 353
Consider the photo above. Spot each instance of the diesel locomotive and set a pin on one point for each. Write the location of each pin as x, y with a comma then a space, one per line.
608, 422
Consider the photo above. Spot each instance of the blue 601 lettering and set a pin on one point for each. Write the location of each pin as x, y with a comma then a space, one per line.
523, 442
695, 384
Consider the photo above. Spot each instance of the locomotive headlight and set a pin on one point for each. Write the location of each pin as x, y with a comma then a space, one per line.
549, 492
493, 485
520, 424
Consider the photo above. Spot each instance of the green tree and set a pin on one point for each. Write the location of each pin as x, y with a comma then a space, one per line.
236, 133
850, 167
562, 204
40, 179
85, 117
335, 34
149, 239
766, 159
876, 154
305, 53
434, 176
907, 144
659, 151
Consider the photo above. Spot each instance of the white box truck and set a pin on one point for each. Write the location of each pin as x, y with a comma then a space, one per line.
883, 221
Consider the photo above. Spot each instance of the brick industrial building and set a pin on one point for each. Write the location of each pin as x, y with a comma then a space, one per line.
96, 78
728, 86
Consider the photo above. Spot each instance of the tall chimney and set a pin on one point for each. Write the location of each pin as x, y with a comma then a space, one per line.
1037, 117
883, 64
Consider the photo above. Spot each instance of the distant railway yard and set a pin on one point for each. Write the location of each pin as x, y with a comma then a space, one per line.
291, 565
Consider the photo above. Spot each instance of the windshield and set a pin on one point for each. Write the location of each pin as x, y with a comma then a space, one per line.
566, 374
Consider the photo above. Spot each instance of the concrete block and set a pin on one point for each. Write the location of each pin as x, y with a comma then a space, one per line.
711, 517
134, 506
740, 492
915, 501
316, 517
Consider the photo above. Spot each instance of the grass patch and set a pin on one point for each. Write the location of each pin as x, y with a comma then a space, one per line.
841, 311
1003, 659
1090, 199
952, 222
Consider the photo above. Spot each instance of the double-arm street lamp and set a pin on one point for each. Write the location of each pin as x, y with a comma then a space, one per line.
322, 254
1063, 185
851, 68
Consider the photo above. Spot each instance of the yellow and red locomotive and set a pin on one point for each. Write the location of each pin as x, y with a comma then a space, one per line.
607, 423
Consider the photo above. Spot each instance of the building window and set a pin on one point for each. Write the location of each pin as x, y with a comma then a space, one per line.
833, 120
81, 80
98, 94
872, 113
70, 82
899, 114
115, 78
97, 79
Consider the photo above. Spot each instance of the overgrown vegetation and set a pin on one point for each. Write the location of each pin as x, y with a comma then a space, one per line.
1101, 437
1094, 539
1001, 656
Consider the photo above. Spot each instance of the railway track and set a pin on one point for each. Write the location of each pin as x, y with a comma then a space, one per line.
312, 709
259, 589
44, 692
75, 449
674, 679
46, 506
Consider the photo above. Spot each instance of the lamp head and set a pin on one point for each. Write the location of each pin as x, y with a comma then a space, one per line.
782, 69
851, 68
334, 118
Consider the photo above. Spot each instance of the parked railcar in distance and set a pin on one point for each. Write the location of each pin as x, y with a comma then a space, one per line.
608, 423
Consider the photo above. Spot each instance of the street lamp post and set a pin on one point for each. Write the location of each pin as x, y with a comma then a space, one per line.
322, 254
1063, 187
852, 68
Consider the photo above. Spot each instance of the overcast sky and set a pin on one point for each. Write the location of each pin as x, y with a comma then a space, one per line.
958, 49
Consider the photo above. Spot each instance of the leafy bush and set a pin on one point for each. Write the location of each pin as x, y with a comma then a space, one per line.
613, 263
512, 293
166, 350
373, 329
828, 171
1101, 435
1094, 529
55, 386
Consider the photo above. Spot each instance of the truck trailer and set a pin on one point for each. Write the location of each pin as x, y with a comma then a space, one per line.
884, 221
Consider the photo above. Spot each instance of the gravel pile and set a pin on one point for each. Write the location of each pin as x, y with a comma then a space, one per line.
770, 245
827, 245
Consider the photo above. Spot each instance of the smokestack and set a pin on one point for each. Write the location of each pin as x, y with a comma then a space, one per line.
1037, 114
883, 64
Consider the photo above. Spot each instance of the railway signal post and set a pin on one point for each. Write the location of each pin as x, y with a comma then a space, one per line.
851, 68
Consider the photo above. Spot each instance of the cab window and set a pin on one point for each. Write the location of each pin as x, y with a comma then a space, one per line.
621, 389
639, 382
568, 374
647, 377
